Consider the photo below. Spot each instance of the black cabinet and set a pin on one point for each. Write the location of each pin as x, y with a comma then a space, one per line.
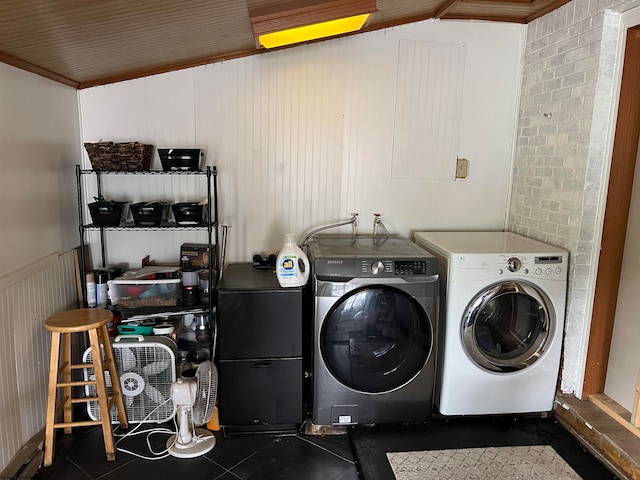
260, 350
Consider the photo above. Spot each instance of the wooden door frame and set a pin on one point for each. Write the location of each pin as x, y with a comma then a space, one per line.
623, 163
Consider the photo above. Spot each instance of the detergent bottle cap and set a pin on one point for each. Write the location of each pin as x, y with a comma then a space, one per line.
289, 240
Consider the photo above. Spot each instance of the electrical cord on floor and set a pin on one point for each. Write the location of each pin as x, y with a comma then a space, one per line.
153, 431
162, 454
158, 455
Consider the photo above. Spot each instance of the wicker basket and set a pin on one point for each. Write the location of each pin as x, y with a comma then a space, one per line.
132, 156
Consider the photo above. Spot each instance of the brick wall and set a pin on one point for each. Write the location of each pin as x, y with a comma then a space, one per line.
560, 165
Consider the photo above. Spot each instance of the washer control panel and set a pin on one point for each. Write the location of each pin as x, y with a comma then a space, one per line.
408, 268
375, 267
388, 268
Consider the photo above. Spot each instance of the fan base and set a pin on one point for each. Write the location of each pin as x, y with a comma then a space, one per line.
204, 444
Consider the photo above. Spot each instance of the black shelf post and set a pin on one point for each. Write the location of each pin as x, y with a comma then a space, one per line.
83, 261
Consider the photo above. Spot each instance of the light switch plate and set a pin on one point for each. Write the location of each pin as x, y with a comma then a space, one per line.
462, 168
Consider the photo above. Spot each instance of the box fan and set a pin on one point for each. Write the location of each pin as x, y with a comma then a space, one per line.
147, 369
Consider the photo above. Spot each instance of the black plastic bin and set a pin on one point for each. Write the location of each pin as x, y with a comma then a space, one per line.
150, 214
106, 214
187, 159
189, 214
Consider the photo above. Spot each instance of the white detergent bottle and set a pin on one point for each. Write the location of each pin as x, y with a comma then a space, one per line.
292, 265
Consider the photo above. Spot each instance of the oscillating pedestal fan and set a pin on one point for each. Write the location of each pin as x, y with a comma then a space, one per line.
195, 400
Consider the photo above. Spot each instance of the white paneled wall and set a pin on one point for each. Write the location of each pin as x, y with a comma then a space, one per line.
26, 301
304, 136
428, 109
40, 143
38, 213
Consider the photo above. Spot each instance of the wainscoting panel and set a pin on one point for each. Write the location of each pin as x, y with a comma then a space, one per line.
27, 299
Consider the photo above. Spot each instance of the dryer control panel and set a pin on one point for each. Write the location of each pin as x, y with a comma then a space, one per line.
475, 266
541, 265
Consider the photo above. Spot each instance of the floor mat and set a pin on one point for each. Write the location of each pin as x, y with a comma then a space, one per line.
498, 463
371, 444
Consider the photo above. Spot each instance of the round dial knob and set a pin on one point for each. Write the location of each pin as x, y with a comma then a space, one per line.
377, 268
514, 264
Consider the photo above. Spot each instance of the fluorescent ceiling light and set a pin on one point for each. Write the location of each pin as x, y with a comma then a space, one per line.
313, 32
302, 21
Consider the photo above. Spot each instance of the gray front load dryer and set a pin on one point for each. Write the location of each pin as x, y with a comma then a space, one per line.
374, 330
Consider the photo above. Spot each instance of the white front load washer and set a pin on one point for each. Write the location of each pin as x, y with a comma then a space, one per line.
502, 318
375, 329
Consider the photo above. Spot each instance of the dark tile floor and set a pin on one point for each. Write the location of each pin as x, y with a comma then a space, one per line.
360, 454
262, 456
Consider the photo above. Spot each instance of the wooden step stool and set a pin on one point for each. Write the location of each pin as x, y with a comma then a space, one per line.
94, 322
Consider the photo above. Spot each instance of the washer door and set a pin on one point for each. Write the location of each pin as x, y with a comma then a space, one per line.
508, 326
375, 339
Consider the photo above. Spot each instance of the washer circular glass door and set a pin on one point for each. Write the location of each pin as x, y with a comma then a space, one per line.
375, 339
508, 326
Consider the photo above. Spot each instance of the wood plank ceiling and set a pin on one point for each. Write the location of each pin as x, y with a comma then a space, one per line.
95, 42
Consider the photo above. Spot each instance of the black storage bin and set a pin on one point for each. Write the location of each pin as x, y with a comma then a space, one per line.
189, 213
106, 214
180, 158
150, 214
